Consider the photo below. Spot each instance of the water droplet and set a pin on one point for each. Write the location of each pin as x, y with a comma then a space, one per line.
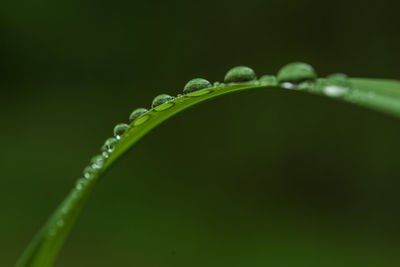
336, 85
119, 129
291, 75
137, 113
89, 172
161, 102
216, 84
268, 80
109, 144
196, 85
80, 183
240, 74
97, 161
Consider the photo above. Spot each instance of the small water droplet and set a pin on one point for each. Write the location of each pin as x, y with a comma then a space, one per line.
216, 84
80, 183
137, 113
268, 80
88, 172
240, 74
119, 129
97, 161
196, 85
306, 85
293, 74
336, 85
109, 144
162, 102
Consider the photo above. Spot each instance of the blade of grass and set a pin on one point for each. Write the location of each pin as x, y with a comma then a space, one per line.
381, 95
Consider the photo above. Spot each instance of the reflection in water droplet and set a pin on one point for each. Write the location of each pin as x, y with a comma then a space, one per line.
268, 80
161, 99
119, 129
240, 74
140, 120
105, 154
137, 113
97, 161
291, 75
200, 93
88, 172
196, 85
109, 144
336, 85
161, 102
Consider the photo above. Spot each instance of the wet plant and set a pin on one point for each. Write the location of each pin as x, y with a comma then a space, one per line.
378, 94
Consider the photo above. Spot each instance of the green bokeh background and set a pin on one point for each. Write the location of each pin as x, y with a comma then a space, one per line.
261, 178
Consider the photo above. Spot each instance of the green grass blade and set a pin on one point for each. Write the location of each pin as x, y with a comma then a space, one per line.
381, 95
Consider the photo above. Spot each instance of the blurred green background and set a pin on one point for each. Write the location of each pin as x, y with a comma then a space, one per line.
262, 178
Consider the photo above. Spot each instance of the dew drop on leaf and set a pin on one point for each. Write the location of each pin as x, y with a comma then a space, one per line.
336, 85
195, 85
216, 84
293, 74
109, 144
80, 183
119, 129
160, 100
240, 74
137, 113
97, 161
88, 172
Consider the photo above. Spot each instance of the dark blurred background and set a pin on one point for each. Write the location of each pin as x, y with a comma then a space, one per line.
261, 178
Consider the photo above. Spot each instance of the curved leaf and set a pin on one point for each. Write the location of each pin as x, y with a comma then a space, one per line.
381, 95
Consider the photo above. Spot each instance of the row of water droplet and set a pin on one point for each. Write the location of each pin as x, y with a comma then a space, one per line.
297, 75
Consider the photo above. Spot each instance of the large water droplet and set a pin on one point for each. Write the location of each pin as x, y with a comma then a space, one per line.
119, 129
240, 74
293, 74
196, 85
109, 144
160, 102
97, 161
137, 113
89, 172
336, 85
